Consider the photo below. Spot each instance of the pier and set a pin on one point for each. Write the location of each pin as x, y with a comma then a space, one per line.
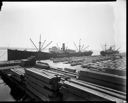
38, 81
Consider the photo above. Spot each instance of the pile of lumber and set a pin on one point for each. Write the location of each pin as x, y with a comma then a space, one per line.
116, 67
68, 73
18, 74
42, 65
70, 70
107, 80
43, 84
74, 89
30, 61
9, 63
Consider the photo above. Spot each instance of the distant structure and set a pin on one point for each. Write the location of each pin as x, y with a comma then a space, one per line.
63, 49
109, 51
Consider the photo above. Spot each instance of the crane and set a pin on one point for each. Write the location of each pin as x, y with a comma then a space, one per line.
40, 45
80, 47
75, 45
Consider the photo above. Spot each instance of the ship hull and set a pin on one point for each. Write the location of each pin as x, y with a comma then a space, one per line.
105, 53
18, 54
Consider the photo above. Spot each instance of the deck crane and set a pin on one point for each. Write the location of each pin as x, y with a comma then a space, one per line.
86, 47
41, 46
75, 45
47, 45
80, 47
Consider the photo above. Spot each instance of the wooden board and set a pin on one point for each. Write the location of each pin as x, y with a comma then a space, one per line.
41, 83
37, 93
70, 70
42, 76
42, 90
112, 92
104, 83
68, 96
42, 66
86, 91
104, 77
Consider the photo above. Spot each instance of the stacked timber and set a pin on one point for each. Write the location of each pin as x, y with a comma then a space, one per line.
18, 74
43, 84
9, 63
31, 61
103, 79
74, 90
70, 70
116, 67
42, 65
65, 73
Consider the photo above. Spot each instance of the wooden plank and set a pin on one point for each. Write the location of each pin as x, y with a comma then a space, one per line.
103, 76
70, 70
43, 66
41, 96
104, 83
42, 76
43, 84
68, 96
112, 92
84, 90
42, 90
9, 67
117, 72
65, 73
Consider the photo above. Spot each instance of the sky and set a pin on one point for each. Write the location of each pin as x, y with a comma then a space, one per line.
95, 23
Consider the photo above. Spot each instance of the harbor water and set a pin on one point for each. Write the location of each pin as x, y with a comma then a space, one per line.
5, 90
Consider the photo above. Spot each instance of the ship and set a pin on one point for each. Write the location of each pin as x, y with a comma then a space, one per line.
15, 54
109, 51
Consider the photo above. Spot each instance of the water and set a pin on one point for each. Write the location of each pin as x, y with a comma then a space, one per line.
5, 92
4, 89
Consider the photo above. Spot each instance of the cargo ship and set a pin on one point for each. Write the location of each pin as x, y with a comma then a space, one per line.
53, 53
109, 51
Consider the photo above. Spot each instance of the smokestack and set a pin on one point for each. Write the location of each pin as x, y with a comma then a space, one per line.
63, 46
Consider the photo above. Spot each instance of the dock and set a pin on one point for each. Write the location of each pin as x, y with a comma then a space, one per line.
40, 82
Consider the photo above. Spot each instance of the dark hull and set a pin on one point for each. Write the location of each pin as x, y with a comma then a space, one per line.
105, 53
17, 54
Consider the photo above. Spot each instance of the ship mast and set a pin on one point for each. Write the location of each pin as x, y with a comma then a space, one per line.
79, 46
40, 44
105, 47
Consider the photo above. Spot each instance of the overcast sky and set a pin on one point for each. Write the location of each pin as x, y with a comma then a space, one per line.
95, 23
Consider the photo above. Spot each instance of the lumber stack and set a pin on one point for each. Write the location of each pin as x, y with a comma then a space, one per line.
30, 61
9, 63
42, 65
74, 89
18, 74
74, 92
67, 74
43, 84
103, 79
70, 70
116, 67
